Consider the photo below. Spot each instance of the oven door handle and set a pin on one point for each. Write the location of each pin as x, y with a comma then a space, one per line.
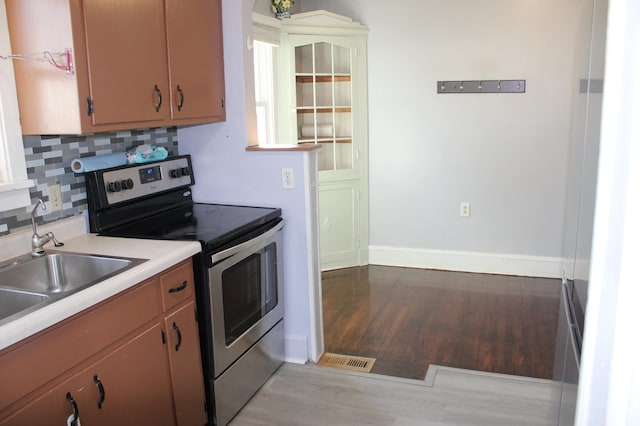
260, 239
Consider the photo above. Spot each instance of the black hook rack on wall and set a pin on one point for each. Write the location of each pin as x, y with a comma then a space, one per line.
481, 86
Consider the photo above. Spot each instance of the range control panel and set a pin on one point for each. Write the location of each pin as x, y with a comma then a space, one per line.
141, 180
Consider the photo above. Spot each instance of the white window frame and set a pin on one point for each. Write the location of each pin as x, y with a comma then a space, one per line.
14, 184
266, 29
265, 60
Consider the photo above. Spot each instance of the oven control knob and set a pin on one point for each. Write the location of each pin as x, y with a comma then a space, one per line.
127, 184
177, 173
114, 187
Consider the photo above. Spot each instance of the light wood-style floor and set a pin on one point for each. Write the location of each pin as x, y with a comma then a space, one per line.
310, 395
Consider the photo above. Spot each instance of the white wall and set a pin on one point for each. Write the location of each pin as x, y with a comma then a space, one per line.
505, 154
226, 173
609, 388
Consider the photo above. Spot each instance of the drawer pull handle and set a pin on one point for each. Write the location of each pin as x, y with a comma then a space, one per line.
179, 288
74, 405
98, 383
175, 327
159, 93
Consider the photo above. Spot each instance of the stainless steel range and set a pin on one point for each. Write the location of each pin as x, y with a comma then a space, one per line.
238, 274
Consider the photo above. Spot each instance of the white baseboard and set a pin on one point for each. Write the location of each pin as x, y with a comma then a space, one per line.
490, 263
295, 349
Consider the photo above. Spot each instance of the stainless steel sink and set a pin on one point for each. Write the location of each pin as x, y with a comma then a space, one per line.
33, 281
12, 302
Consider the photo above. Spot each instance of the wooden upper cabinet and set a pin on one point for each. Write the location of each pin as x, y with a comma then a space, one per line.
196, 68
129, 57
127, 63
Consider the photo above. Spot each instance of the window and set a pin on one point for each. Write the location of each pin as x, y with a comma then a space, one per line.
14, 184
266, 40
263, 60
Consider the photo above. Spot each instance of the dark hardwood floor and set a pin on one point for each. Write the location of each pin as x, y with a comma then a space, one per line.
410, 318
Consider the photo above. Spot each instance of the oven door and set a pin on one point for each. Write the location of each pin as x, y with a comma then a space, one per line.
246, 295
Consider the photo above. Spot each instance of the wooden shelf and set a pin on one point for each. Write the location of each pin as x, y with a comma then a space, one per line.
322, 78
306, 147
310, 140
322, 110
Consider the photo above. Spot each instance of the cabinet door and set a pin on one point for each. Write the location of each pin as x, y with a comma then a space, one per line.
194, 34
186, 372
339, 223
323, 76
135, 383
137, 388
53, 408
127, 61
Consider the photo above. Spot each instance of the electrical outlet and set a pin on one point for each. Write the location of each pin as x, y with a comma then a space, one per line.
465, 209
55, 198
287, 178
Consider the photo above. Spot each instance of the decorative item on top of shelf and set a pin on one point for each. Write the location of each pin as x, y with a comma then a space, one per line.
281, 8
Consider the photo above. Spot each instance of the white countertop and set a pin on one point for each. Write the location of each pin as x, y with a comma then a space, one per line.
160, 254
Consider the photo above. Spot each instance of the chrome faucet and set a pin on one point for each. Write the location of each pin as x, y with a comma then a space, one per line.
38, 241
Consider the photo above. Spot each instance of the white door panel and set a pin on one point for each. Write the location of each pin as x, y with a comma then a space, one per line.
339, 225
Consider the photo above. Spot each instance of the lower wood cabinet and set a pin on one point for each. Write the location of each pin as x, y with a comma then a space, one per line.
183, 355
127, 386
151, 375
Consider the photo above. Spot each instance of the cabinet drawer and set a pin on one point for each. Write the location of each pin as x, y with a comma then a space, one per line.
176, 285
57, 349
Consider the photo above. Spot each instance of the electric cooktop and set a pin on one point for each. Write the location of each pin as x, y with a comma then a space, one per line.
214, 225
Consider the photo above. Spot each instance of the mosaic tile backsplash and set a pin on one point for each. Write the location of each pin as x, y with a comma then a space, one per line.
49, 159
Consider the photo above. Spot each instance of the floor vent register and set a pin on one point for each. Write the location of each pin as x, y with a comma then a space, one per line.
347, 362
